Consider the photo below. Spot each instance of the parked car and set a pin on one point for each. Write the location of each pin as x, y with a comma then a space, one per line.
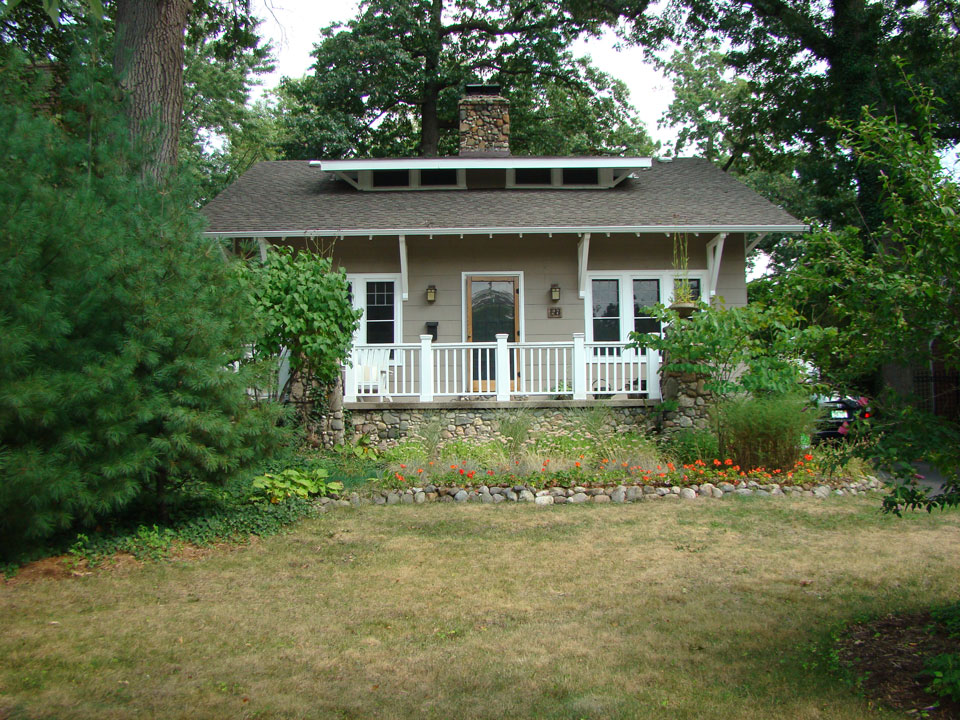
839, 413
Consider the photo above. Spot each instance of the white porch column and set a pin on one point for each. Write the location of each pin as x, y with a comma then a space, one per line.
350, 378
426, 368
579, 367
653, 374
503, 368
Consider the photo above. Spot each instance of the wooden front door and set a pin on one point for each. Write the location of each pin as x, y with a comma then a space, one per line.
493, 307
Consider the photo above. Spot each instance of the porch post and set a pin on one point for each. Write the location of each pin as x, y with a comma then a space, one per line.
579, 367
503, 368
350, 377
653, 374
426, 368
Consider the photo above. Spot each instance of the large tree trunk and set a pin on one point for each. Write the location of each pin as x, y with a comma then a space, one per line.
148, 60
429, 119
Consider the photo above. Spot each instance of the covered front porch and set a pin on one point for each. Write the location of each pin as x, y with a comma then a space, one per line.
500, 371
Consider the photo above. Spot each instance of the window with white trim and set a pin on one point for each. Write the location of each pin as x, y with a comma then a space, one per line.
378, 297
616, 302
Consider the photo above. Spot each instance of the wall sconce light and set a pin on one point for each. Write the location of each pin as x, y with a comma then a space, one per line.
555, 292
431, 293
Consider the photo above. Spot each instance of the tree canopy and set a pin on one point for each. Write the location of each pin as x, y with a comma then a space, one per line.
388, 82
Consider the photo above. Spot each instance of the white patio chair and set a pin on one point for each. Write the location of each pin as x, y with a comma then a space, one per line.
373, 372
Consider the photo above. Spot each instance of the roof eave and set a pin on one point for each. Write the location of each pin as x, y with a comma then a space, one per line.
635, 229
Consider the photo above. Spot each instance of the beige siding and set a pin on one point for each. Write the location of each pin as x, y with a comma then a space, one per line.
540, 259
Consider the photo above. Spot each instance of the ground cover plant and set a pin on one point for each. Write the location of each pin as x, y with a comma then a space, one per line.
701, 610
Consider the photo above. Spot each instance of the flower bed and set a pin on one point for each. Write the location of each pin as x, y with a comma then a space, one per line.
601, 473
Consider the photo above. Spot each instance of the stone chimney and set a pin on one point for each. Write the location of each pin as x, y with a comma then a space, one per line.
484, 122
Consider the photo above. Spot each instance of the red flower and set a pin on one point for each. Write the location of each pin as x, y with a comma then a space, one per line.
402, 466
808, 457
471, 474
462, 471
716, 462
728, 461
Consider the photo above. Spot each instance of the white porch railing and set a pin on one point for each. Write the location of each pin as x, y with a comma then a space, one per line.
428, 370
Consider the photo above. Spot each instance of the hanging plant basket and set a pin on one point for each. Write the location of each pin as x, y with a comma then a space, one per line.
684, 309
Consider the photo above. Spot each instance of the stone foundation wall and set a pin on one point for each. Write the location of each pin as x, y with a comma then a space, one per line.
386, 426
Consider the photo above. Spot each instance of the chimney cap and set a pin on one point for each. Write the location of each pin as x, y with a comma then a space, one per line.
480, 89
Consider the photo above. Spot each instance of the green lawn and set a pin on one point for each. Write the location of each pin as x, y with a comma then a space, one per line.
706, 609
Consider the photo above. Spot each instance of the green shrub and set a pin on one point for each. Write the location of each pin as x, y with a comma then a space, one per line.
944, 670
765, 431
488, 454
689, 445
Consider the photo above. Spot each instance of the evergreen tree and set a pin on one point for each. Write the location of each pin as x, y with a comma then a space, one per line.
120, 326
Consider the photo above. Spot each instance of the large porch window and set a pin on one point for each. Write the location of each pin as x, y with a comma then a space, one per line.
615, 302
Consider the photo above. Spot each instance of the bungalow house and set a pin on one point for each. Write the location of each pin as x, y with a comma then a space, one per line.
488, 280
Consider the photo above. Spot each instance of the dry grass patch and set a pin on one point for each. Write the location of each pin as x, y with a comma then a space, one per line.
699, 610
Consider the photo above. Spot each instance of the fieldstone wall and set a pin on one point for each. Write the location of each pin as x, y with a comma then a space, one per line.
484, 124
386, 426
494, 494
692, 399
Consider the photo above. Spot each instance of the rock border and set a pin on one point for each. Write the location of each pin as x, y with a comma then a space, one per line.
624, 493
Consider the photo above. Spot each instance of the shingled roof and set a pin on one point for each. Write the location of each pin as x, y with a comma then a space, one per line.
290, 198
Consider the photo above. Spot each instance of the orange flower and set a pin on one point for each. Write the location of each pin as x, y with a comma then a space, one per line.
808, 457
728, 461
581, 457
671, 466
716, 462
624, 464
577, 463
419, 471
604, 461
453, 467
402, 466
545, 462
430, 463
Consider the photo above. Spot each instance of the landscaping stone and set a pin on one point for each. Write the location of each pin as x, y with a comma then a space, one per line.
460, 496
406, 499
525, 496
578, 498
743, 491
601, 498
393, 499
670, 496
420, 497
618, 495
821, 491
544, 500
688, 494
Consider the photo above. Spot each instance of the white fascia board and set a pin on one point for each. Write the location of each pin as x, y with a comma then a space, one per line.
634, 229
501, 163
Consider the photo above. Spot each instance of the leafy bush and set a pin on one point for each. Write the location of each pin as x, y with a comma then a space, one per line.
289, 482
752, 349
304, 308
944, 670
766, 431
120, 325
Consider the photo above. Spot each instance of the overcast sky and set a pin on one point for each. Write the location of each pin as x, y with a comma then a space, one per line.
294, 26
